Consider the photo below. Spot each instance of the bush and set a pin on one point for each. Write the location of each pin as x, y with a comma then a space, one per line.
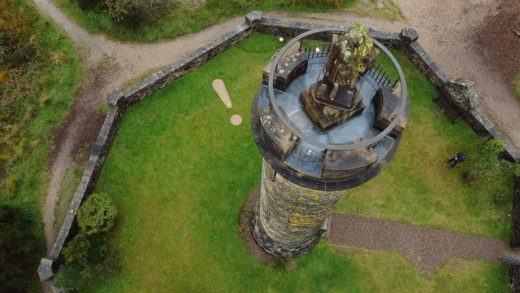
86, 254
73, 276
90, 4
135, 12
77, 250
96, 214
488, 165
19, 247
17, 47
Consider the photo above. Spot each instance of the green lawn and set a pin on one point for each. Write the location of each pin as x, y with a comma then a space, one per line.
179, 171
187, 18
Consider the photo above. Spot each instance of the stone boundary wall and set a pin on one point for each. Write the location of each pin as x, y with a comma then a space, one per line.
514, 278
254, 22
514, 269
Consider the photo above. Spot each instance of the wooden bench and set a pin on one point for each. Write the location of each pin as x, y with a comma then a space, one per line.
292, 64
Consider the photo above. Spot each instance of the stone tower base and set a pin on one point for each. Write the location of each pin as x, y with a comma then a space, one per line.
276, 248
288, 218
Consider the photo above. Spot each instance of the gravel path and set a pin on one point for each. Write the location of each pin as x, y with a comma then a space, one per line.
427, 248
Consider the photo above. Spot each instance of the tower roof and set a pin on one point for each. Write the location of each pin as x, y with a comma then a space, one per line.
343, 154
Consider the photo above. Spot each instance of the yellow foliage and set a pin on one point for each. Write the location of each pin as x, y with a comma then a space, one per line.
4, 76
300, 220
58, 57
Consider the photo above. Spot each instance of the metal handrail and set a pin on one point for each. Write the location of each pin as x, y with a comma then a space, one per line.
346, 146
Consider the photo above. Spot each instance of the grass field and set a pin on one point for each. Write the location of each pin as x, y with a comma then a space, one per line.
188, 17
179, 171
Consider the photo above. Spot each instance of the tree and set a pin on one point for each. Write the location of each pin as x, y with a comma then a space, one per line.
96, 214
73, 276
487, 165
86, 255
135, 12
77, 250
19, 247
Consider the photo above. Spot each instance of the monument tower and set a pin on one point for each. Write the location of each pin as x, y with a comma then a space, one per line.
327, 118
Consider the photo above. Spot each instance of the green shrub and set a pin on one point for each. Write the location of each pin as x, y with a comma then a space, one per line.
77, 250
19, 247
73, 276
90, 4
135, 12
488, 165
86, 254
96, 214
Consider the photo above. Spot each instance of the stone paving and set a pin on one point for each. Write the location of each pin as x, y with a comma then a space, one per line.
427, 248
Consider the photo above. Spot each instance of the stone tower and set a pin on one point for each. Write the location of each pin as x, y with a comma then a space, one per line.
326, 119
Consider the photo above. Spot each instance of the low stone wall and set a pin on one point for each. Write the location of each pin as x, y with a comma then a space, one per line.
514, 278
119, 101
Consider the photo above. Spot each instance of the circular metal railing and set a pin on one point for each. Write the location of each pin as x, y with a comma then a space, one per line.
345, 146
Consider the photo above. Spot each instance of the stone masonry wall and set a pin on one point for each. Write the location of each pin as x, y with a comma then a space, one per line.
290, 216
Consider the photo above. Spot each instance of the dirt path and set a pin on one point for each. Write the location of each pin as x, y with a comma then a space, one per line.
427, 248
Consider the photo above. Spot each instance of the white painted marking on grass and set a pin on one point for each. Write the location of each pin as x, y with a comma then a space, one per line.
220, 89
236, 119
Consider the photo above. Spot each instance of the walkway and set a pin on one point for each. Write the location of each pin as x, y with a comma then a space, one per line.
427, 248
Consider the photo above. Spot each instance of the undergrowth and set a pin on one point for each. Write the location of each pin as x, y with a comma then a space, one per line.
38, 74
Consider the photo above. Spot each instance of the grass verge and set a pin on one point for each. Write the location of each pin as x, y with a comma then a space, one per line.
516, 86
179, 177
35, 94
189, 17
